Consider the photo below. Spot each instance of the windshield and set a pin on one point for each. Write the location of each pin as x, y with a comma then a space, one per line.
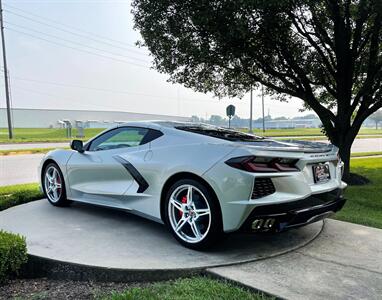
221, 133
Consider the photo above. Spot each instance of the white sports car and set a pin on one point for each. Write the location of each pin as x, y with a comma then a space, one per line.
200, 180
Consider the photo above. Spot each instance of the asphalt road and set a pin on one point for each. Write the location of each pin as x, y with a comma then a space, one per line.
23, 168
19, 168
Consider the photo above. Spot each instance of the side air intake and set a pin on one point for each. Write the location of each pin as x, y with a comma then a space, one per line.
262, 187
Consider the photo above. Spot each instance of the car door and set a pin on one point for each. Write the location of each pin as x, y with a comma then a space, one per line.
99, 174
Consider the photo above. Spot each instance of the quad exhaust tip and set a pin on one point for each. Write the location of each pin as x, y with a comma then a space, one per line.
263, 224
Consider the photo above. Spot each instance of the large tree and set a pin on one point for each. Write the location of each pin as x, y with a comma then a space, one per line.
325, 52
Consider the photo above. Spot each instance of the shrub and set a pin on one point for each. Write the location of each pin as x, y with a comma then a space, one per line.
18, 194
13, 253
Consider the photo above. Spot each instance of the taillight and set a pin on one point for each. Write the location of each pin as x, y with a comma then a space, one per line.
263, 164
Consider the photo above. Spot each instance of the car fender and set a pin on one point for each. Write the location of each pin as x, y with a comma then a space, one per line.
61, 158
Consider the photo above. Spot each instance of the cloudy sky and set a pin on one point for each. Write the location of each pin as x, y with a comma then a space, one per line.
80, 55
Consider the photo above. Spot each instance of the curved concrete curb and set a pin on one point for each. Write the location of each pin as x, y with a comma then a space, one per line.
38, 267
91, 243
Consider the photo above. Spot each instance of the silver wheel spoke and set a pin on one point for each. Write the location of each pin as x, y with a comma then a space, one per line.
58, 185
181, 223
195, 229
189, 195
202, 212
176, 204
50, 179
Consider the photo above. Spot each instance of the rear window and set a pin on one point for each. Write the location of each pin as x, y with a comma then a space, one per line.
221, 133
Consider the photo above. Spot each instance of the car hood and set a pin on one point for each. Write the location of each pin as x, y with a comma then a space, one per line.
289, 146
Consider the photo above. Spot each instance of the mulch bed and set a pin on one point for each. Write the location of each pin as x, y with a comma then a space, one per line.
43, 288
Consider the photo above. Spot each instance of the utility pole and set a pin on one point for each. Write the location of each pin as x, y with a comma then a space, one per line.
250, 114
262, 100
10, 133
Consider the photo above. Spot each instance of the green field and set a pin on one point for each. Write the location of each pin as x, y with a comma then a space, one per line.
28, 135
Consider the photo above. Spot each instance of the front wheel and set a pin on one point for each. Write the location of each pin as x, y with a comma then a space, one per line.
54, 185
193, 214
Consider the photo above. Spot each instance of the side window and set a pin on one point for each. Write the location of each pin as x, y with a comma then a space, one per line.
151, 135
119, 138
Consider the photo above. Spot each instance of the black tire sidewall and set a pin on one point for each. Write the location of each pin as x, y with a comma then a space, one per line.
216, 227
62, 201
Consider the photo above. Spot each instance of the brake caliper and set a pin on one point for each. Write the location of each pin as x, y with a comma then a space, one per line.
184, 200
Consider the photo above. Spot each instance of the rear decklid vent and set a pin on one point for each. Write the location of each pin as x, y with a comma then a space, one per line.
262, 187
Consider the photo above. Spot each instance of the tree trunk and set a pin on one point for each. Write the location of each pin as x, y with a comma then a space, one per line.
343, 139
345, 151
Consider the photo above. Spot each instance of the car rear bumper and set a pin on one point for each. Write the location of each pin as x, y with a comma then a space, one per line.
280, 217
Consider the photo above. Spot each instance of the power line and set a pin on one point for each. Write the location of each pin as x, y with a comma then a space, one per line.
76, 43
88, 35
77, 49
70, 85
60, 98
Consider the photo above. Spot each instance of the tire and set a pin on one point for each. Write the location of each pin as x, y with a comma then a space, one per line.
196, 224
54, 185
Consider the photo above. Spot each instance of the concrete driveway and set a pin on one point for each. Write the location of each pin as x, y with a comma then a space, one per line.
344, 262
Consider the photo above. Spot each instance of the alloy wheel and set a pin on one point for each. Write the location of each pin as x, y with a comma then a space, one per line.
53, 184
189, 213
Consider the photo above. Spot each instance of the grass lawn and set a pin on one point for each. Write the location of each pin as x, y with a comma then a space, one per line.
29, 135
189, 288
364, 205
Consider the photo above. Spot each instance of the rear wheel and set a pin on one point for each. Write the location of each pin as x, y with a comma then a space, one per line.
193, 215
54, 185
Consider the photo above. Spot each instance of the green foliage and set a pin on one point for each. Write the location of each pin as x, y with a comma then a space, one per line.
13, 253
18, 194
189, 288
364, 204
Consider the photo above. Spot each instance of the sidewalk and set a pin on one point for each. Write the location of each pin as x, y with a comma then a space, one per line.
344, 262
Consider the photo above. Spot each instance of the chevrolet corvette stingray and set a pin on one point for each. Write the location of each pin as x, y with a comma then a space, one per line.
199, 180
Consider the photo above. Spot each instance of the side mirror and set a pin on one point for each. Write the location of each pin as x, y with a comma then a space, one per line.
77, 145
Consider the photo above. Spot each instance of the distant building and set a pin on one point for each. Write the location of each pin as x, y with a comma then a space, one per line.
57, 118
289, 123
